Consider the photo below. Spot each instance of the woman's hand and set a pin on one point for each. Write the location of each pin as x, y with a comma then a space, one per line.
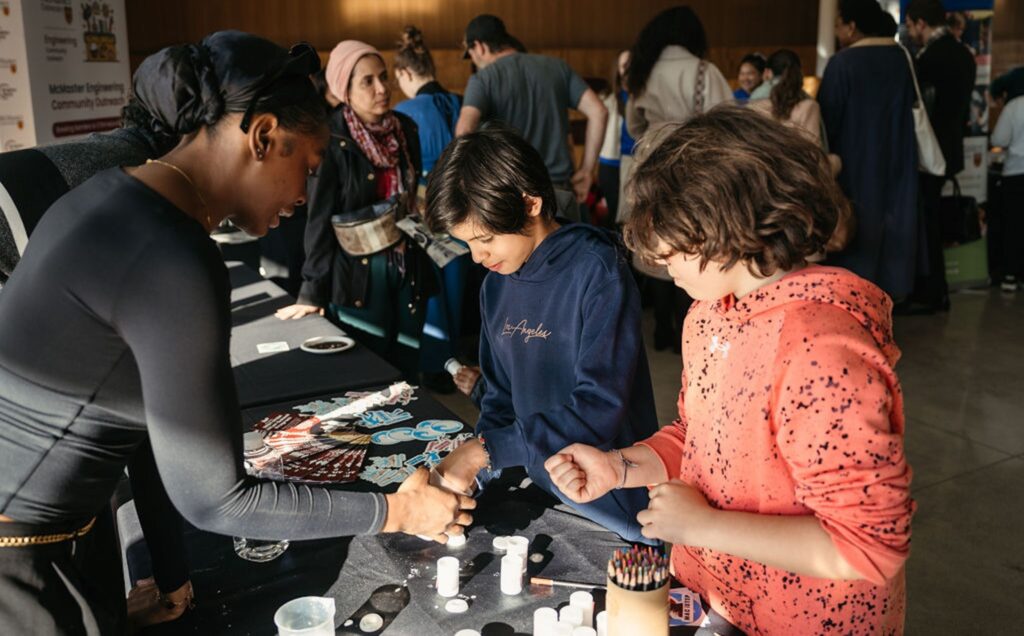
466, 379
419, 508
584, 473
294, 312
460, 467
146, 606
678, 513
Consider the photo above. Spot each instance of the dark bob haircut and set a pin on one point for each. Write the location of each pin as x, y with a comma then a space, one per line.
734, 186
485, 174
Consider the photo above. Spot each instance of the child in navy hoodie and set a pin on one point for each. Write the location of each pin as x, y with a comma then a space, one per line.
560, 341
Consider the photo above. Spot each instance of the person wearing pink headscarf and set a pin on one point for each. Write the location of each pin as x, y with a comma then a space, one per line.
372, 162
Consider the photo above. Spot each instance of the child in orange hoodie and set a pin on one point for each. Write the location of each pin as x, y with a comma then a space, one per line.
783, 485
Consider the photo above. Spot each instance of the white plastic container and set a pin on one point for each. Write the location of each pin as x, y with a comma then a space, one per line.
544, 620
519, 546
511, 574
571, 614
584, 601
561, 628
448, 576
452, 366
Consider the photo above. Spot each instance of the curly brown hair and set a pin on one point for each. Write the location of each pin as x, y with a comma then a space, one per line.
734, 186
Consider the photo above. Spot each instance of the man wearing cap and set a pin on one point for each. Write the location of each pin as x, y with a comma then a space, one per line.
532, 93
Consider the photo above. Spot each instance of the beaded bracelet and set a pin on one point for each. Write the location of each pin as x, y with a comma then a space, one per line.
483, 446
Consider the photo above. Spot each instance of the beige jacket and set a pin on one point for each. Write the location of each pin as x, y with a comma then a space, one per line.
669, 95
805, 117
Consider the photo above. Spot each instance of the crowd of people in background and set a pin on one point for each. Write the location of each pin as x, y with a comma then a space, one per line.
892, 236
853, 195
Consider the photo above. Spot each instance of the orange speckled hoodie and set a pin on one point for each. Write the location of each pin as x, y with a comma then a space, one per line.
790, 406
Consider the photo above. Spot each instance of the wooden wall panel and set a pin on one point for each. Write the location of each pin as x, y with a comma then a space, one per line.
1007, 36
587, 32
539, 23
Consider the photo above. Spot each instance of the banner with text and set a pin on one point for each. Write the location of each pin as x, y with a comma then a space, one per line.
64, 69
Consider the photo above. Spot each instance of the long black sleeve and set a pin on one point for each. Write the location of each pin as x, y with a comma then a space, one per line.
180, 343
114, 330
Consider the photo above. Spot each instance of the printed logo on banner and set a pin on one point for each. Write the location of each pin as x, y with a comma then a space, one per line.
425, 431
376, 419
98, 32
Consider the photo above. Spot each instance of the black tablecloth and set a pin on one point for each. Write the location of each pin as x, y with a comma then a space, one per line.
274, 377
390, 574
237, 597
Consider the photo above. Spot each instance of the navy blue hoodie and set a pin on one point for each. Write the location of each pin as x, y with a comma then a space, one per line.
562, 353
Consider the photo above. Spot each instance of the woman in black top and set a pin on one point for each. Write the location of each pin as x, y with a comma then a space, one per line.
115, 326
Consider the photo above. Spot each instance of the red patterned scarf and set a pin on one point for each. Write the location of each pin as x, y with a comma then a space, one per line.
384, 145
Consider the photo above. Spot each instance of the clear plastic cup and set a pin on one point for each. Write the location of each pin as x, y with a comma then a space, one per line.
306, 616
261, 461
258, 550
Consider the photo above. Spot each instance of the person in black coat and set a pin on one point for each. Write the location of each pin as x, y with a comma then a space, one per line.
866, 98
946, 73
373, 157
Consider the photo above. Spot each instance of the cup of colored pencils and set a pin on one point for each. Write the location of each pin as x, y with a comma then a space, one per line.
637, 600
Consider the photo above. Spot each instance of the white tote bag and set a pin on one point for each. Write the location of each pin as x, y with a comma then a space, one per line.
929, 154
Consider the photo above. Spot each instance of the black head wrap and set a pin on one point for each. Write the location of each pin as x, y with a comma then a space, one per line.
182, 88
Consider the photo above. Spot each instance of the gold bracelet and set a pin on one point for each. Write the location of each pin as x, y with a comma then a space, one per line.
487, 453
44, 539
188, 601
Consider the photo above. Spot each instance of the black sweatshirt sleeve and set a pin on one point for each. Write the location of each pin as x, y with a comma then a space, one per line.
180, 343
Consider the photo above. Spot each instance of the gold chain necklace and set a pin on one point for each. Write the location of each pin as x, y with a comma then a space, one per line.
209, 223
